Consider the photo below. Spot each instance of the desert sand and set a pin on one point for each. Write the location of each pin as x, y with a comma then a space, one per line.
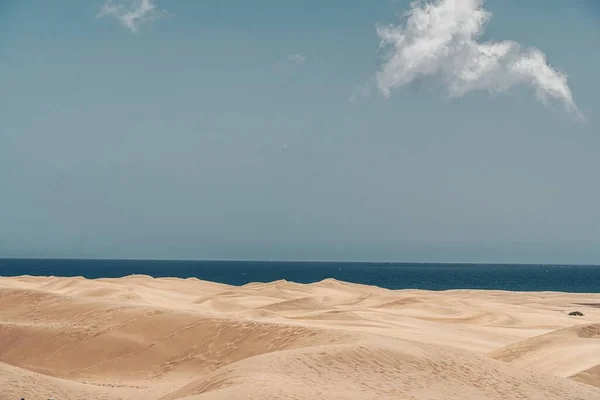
144, 338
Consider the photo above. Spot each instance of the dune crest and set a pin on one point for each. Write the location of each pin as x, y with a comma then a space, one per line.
144, 338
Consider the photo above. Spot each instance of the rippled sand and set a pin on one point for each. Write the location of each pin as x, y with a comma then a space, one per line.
144, 338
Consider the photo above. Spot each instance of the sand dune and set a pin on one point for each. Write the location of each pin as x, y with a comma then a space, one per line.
565, 352
144, 338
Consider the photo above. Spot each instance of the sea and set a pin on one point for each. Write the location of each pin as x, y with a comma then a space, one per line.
513, 277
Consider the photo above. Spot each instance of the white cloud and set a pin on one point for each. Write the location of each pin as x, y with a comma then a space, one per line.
440, 40
297, 58
132, 13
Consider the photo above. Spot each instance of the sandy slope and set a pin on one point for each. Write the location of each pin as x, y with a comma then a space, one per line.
144, 338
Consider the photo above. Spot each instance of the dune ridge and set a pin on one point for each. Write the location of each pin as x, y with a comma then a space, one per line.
139, 337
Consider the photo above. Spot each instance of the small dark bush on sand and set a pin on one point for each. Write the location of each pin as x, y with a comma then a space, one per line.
576, 314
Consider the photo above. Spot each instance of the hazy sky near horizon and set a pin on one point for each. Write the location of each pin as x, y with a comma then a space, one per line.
269, 129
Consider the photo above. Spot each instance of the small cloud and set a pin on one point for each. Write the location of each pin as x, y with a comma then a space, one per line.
291, 62
297, 58
132, 13
440, 40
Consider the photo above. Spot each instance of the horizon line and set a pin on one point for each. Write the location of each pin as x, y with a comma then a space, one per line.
298, 261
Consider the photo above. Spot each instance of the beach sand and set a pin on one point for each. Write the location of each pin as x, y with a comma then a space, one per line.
144, 338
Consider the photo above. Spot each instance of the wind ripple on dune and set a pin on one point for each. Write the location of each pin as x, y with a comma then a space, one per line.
370, 370
568, 352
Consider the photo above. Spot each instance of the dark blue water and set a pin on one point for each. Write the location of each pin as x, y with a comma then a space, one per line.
564, 278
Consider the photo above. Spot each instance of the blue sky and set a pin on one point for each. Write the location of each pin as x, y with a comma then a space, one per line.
257, 130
